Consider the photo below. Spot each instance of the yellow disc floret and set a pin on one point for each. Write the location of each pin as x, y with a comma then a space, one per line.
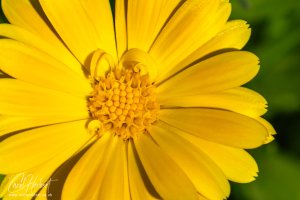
123, 103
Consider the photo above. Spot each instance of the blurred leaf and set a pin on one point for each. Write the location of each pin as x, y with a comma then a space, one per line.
288, 128
278, 177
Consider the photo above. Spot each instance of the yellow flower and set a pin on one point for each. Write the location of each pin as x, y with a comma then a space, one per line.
145, 103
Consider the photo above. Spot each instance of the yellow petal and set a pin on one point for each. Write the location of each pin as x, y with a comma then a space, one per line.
151, 17
115, 181
10, 124
99, 13
28, 183
19, 98
32, 21
74, 26
218, 126
240, 100
33, 66
140, 186
193, 24
200, 197
101, 63
237, 164
5, 184
221, 72
34, 40
42, 144
96, 160
168, 180
142, 60
234, 35
43, 194
208, 179
24, 185
269, 127
121, 26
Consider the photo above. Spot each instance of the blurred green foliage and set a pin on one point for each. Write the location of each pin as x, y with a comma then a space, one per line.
276, 41
278, 177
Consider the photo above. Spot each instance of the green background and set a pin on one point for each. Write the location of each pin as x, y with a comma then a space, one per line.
276, 40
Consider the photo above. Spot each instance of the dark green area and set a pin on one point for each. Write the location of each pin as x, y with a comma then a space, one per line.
276, 41
2, 17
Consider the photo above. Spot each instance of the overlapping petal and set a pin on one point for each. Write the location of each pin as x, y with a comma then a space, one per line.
183, 30
121, 27
201, 170
152, 16
270, 129
105, 178
235, 163
162, 176
221, 72
240, 100
234, 35
223, 127
39, 42
79, 25
140, 185
34, 20
27, 184
31, 65
18, 98
42, 144
9, 123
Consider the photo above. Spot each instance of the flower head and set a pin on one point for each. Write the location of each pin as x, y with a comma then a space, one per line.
143, 103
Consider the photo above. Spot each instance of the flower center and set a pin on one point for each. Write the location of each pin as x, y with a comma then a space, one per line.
123, 102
